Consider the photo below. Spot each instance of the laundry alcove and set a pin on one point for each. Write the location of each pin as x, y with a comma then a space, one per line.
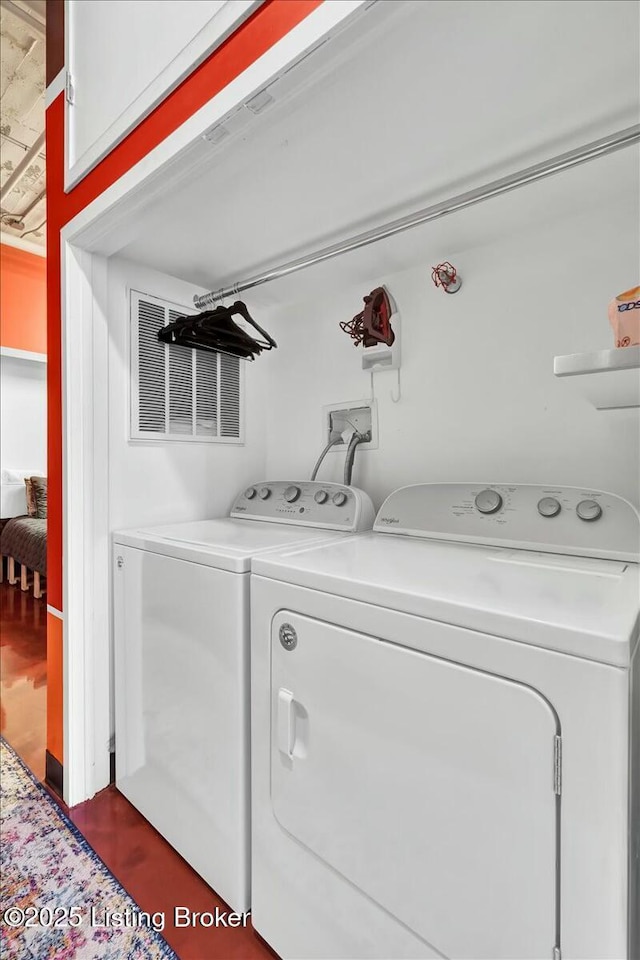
373, 124
402, 105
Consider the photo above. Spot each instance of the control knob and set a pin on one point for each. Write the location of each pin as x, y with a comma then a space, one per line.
291, 494
265, 493
549, 507
321, 496
488, 501
250, 493
339, 498
589, 510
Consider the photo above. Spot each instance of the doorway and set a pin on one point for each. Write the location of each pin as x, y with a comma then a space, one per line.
23, 378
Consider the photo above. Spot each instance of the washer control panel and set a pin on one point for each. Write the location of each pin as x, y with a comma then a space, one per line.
569, 520
331, 506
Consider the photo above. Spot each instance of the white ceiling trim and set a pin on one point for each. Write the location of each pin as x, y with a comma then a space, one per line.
19, 244
31, 21
14, 354
55, 88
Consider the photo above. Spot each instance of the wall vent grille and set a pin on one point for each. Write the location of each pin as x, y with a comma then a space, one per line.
178, 393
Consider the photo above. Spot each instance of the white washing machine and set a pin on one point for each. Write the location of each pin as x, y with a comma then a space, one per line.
182, 665
445, 731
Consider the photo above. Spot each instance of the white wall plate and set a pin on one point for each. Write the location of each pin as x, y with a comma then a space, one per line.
361, 415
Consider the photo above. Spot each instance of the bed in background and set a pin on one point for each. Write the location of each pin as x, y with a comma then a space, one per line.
23, 528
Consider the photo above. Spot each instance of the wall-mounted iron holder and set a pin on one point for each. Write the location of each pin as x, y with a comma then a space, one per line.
381, 356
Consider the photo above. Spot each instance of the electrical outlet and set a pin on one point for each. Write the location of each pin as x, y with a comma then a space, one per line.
359, 415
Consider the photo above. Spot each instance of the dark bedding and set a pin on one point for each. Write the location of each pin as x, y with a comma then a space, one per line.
25, 539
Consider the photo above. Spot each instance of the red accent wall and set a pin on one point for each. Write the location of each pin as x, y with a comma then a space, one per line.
54, 690
272, 21
23, 300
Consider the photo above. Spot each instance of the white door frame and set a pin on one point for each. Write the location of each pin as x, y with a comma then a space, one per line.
85, 428
86, 241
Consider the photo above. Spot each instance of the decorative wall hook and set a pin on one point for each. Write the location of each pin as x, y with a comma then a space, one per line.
446, 276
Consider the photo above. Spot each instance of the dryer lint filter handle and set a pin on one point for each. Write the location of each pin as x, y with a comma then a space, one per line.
565, 520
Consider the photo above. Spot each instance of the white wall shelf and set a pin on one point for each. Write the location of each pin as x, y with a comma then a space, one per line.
23, 354
609, 379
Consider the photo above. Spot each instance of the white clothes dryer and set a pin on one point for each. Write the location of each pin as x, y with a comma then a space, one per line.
181, 630
446, 731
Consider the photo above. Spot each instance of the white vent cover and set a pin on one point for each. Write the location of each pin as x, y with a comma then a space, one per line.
178, 393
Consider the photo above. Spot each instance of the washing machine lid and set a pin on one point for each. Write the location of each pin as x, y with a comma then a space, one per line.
582, 606
225, 543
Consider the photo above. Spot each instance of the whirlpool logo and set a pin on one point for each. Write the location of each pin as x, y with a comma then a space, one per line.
634, 305
389, 520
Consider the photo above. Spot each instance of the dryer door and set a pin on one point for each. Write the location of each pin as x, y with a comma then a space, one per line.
428, 785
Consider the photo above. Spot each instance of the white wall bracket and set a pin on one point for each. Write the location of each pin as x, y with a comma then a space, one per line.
383, 357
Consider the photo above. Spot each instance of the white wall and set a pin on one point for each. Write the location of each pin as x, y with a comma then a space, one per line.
158, 482
165, 482
23, 403
479, 398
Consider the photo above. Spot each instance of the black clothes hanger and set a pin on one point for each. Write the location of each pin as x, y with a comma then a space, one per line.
216, 331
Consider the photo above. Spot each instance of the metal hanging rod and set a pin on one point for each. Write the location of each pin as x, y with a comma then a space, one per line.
598, 148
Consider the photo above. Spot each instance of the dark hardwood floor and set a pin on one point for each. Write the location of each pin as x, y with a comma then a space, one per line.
23, 674
158, 879
147, 867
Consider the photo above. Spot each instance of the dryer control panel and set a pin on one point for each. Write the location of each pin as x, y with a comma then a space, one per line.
567, 520
328, 506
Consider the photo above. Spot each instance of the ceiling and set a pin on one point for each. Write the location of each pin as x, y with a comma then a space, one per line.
22, 72
419, 101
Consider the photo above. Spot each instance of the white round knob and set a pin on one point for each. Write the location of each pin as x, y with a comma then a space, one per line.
265, 493
321, 496
549, 507
589, 510
250, 493
488, 501
339, 498
291, 494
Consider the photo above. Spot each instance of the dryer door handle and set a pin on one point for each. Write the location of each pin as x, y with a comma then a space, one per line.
286, 722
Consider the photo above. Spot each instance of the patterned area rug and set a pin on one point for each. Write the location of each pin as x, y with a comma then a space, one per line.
58, 900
